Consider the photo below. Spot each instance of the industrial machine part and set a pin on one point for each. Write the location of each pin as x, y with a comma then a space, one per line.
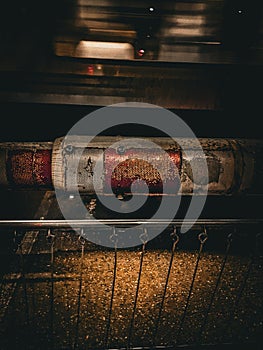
234, 166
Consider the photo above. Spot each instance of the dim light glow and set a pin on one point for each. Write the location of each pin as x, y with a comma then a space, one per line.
90, 70
189, 20
189, 6
101, 49
198, 31
141, 52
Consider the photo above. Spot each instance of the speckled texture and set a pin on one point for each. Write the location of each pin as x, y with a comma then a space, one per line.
29, 167
96, 292
122, 169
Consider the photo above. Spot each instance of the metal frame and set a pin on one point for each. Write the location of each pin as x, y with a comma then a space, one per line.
37, 224
201, 224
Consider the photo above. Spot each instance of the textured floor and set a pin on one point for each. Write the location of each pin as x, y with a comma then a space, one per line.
57, 325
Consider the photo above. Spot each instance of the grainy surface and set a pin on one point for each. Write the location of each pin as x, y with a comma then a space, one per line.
54, 326
96, 292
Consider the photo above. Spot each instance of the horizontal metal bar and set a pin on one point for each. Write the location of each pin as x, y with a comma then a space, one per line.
37, 224
215, 346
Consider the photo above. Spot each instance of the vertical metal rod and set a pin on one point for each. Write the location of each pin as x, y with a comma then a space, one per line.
175, 237
68, 308
24, 283
51, 239
111, 301
52, 291
202, 238
79, 292
229, 241
136, 296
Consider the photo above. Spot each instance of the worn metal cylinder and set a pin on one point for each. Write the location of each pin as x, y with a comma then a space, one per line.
25, 164
234, 166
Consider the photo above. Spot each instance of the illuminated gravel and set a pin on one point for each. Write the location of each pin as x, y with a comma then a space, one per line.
96, 293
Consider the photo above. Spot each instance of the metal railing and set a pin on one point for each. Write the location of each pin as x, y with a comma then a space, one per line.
190, 292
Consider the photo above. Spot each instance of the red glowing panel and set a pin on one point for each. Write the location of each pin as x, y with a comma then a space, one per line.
90, 70
29, 168
121, 170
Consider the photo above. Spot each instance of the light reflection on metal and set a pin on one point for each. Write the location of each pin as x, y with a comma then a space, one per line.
141, 52
189, 6
188, 20
196, 31
124, 33
100, 49
62, 224
181, 20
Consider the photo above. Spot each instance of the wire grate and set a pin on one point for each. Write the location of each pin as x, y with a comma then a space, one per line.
66, 293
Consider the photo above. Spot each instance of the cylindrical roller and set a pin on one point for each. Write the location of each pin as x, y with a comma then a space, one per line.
234, 166
25, 164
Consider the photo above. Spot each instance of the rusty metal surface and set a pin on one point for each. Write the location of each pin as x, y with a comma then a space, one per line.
234, 165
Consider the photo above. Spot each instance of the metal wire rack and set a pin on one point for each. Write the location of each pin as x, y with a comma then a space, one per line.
198, 289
